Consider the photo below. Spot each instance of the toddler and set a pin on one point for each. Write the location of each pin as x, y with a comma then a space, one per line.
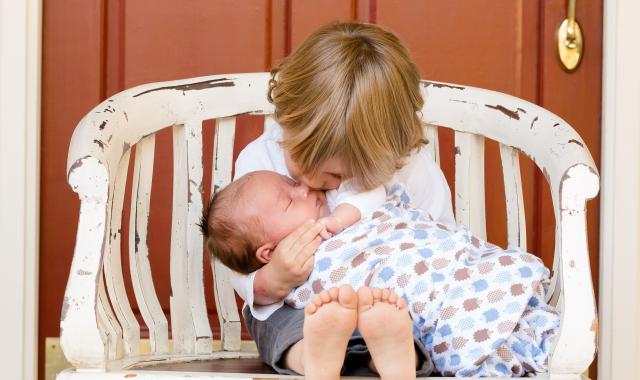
347, 116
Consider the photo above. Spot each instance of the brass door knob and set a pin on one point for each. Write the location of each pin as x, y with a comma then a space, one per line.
569, 39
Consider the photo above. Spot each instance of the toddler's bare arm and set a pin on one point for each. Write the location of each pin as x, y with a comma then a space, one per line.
342, 217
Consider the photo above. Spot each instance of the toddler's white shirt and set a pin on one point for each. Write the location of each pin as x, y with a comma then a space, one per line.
421, 177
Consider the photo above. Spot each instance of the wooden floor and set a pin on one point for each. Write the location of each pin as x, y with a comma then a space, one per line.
249, 366
253, 366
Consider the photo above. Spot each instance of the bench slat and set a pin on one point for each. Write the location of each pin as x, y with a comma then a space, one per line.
139, 250
433, 147
113, 263
195, 243
516, 222
186, 313
469, 177
224, 294
110, 329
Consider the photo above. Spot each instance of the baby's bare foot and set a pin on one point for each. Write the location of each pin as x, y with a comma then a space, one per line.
383, 321
329, 321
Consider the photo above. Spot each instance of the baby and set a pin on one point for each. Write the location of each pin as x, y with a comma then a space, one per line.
478, 310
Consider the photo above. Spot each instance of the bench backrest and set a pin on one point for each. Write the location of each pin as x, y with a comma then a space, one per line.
98, 327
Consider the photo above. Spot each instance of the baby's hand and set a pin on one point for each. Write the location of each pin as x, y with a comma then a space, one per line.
332, 226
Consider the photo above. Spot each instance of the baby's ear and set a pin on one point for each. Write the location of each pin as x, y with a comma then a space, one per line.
264, 252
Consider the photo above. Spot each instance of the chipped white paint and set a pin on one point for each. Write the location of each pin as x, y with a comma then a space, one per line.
516, 223
112, 261
102, 139
141, 278
80, 336
182, 319
578, 320
431, 133
194, 240
110, 328
557, 150
224, 294
469, 182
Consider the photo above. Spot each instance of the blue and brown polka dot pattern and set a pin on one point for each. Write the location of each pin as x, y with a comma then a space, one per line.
478, 309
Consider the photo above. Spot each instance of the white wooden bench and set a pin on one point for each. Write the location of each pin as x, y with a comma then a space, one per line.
100, 335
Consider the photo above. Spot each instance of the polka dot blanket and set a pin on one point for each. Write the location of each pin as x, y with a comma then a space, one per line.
479, 309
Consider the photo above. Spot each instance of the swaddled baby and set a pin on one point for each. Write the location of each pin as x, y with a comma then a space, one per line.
478, 309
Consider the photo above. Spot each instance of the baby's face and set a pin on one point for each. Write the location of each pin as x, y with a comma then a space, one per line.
281, 204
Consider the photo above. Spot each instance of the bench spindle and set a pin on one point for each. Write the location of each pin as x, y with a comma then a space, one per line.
469, 177
110, 329
516, 222
187, 325
431, 133
113, 263
141, 278
224, 294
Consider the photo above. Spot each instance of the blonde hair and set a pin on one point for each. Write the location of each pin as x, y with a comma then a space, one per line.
351, 91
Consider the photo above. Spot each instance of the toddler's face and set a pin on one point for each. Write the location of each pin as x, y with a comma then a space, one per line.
281, 204
329, 176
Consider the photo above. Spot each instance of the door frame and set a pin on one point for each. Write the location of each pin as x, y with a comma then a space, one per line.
619, 297
20, 64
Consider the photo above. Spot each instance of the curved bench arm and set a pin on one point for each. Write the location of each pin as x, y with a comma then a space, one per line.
99, 142
81, 337
562, 156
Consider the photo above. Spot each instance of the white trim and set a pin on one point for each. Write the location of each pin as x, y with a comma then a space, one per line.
620, 206
20, 62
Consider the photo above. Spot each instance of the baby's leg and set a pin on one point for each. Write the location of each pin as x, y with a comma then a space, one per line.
385, 325
330, 319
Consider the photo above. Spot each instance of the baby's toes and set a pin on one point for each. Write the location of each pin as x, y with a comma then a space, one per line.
325, 296
377, 294
393, 297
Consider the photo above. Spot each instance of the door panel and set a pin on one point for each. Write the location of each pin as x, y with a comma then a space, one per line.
94, 49
71, 86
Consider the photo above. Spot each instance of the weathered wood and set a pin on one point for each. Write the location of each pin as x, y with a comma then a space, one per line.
516, 222
82, 333
143, 287
182, 324
431, 133
113, 264
224, 294
195, 244
101, 143
579, 317
557, 150
469, 186
110, 328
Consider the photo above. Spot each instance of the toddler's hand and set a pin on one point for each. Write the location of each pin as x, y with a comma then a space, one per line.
293, 259
332, 226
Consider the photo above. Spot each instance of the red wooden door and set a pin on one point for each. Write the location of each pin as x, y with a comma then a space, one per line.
93, 49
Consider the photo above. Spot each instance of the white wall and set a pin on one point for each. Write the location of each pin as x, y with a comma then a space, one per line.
619, 356
20, 30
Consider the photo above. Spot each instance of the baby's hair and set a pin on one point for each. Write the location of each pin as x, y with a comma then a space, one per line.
349, 90
226, 238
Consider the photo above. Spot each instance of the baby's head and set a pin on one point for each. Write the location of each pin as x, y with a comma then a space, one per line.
244, 222
349, 92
